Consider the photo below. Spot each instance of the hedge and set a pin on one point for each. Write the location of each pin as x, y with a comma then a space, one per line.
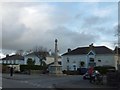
104, 69
31, 67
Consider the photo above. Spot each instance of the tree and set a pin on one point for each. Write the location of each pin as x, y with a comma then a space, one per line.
82, 63
30, 63
20, 52
41, 53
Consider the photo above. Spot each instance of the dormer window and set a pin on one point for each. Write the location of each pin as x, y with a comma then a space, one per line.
91, 59
91, 53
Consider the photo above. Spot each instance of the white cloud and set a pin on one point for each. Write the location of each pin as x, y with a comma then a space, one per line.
107, 44
2, 55
37, 16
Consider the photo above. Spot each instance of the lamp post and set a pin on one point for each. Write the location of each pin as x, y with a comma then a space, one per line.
118, 59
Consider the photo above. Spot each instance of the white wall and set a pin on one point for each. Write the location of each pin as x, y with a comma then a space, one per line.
21, 62
49, 60
12, 61
73, 60
107, 59
33, 57
116, 61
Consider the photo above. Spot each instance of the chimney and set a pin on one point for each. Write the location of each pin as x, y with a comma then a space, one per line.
91, 46
69, 50
7, 55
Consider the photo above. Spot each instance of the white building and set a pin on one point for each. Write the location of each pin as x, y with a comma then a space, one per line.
89, 56
13, 59
17, 60
49, 59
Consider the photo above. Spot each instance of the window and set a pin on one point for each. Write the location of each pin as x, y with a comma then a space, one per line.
99, 60
68, 60
91, 59
74, 66
92, 64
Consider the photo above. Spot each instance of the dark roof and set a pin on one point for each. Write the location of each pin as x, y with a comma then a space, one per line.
13, 57
59, 62
40, 53
85, 50
43, 53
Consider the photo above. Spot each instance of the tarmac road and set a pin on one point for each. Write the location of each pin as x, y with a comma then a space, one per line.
48, 82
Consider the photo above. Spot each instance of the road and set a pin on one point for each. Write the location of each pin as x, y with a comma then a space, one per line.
40, 81
47, 81
14, 84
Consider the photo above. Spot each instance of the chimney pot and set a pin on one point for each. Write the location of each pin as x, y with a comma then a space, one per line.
69, 50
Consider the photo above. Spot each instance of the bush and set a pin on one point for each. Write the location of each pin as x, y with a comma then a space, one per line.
31, 67
5, 68
104, 69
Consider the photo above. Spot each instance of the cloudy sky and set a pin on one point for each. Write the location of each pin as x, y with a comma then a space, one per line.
27, 24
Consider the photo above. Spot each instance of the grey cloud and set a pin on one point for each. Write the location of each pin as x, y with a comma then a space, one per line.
12, 29
93, 21
17, 36
70, 39
104, 30
66, 39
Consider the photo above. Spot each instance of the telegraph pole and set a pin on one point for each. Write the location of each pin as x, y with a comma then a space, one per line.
118, 46
118, 37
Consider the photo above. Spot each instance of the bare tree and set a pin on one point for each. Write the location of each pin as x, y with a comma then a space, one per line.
41, 53
19, 52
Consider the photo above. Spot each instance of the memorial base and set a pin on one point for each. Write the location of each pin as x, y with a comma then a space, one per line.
55, 70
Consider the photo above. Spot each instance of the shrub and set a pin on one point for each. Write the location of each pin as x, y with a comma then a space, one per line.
103, 69
32, 67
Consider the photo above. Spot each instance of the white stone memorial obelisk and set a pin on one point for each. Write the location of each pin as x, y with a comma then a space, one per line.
56, 69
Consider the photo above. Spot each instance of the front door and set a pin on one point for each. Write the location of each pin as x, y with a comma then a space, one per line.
74, 67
